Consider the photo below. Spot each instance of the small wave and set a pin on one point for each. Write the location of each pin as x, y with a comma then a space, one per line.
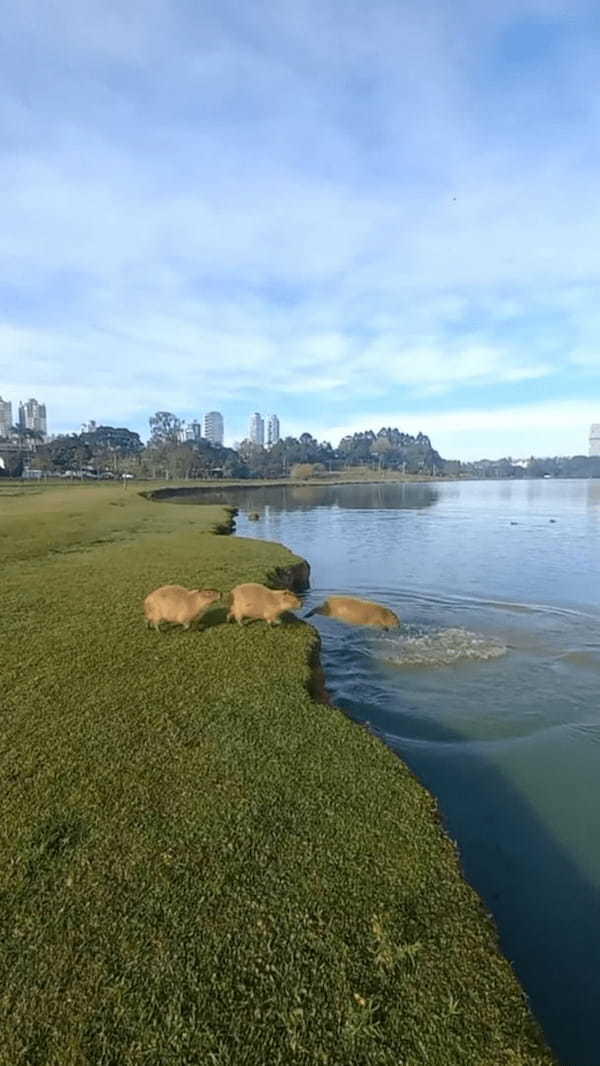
439, 647
590, 660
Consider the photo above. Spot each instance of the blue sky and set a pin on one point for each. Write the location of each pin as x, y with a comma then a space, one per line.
351, 214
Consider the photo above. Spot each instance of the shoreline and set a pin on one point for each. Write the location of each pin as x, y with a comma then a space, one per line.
165, 492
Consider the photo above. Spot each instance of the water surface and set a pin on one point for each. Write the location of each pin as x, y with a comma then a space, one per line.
490, 692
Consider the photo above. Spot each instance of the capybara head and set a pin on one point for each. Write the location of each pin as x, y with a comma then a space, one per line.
210, 595
289, 600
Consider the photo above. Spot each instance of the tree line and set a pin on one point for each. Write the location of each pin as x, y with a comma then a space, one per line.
110, 451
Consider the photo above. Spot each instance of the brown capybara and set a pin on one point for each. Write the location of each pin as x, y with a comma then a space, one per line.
357, 612
174, 603
256, 601
253, 516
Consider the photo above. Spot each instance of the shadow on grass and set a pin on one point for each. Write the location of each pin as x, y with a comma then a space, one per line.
546, 910
217, 616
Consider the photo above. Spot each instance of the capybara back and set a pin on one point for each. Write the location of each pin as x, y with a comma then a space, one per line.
252, 600
357, 612
176, 604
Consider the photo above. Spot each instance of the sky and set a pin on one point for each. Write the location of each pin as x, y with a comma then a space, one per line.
352, 214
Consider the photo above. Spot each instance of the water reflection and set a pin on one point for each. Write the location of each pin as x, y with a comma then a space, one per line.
593, 496
398, 496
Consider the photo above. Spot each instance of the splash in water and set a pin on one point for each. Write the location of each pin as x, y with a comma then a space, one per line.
426, 646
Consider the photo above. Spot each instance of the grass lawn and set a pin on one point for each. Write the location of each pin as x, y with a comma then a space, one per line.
198, 863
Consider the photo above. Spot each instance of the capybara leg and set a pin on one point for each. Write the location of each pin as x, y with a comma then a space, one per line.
156, 626
186, 625
230, 616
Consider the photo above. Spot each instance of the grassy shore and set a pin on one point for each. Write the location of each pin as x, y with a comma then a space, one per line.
198, 863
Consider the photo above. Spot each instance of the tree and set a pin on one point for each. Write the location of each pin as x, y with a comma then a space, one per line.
381, 449
164, 427
300, 471
63, 453
115, 439
113, 448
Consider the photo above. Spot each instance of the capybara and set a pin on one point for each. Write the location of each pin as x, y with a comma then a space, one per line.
257, 601
357, 612
174, 603
253, 516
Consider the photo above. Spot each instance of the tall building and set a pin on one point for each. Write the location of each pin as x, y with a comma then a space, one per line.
257, 429
595, 439
213, 427
5, 417
32, 415
191, 431
273, 434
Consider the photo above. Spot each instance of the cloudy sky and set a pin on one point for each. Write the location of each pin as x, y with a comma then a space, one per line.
353, 214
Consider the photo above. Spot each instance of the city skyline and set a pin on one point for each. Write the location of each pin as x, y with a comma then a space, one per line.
30, 415
197, 427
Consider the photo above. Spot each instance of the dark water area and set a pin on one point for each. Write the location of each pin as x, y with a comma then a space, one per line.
490, 692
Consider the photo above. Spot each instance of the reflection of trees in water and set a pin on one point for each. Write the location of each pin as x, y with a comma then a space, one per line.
398, 496
593, 496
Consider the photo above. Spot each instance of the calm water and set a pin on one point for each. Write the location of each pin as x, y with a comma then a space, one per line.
491, 693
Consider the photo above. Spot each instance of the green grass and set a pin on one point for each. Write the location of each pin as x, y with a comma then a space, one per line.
198, 863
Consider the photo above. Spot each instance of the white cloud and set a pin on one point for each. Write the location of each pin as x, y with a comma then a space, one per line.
202, 205
531, 429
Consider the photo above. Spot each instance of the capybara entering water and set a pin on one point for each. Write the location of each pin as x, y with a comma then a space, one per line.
257, 601
174, 603
357, 612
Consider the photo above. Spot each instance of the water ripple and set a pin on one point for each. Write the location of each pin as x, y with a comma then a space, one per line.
416, 646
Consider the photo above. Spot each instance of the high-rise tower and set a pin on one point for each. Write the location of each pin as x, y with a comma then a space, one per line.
5, 417
257, 429
32, 415
213, 427
273, 434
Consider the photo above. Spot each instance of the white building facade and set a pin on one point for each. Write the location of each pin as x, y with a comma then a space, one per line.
213, 427
273, 431
257, 429
5, 417
32, 415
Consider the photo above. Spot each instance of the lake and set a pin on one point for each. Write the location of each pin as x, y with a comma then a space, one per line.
490, 692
